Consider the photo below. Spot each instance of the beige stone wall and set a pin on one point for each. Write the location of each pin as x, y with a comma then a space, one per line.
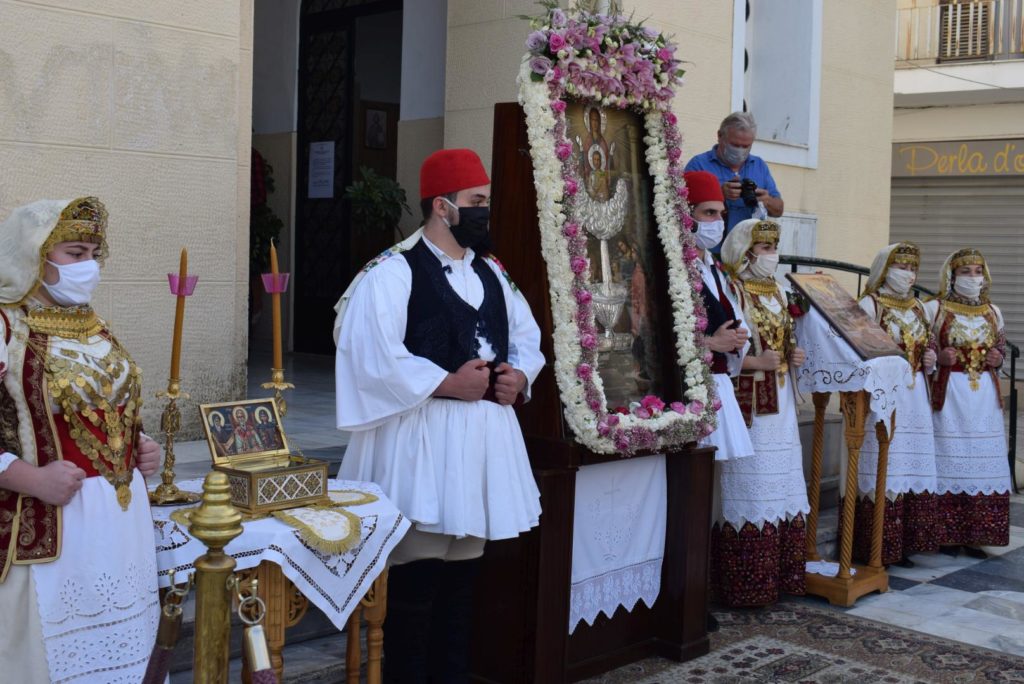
417, 139
146, 105
969, 122
849, 189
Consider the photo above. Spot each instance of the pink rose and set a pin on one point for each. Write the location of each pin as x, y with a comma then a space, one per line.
583, 297
641, 412
558, 105
678, 406
671, 119
696, 407
666, 54
652, 403
570, 185
563, 150
702, 323
683, 191
708, 357
578, 264
594, 405
698, 286
621, 442
570, 230
603, 429
612, 419
556, 42
717, 404
674, 153
584, 371
690, 253
588, 341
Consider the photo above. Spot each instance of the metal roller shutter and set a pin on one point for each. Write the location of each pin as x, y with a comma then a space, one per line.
942, 215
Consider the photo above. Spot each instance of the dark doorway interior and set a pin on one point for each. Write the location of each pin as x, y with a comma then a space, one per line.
341, 66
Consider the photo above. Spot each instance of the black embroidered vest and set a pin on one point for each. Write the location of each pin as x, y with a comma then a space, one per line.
718, 313
443, 327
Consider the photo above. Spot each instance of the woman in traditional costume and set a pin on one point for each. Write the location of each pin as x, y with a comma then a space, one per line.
759, 551
78, 579
972, 472
910, 505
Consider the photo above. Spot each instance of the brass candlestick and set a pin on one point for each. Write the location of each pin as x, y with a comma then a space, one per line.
277, 384
167, 493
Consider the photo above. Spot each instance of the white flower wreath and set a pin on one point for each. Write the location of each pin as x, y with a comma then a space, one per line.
612, 62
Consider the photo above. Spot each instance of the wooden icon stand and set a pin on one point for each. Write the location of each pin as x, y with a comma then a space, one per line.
846, 587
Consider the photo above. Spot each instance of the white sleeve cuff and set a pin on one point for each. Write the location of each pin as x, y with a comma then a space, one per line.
6, 459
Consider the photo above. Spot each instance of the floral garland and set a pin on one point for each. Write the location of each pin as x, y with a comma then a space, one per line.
611, 61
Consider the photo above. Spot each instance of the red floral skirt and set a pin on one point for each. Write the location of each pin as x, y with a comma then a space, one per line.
981, 519
752, 566
909, 527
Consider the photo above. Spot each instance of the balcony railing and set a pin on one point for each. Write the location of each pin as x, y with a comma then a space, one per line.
974, 30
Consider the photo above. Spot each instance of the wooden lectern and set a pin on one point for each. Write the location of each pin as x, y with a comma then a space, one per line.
521, 623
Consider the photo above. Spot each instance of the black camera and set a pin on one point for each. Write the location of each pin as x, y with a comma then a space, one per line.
748, 192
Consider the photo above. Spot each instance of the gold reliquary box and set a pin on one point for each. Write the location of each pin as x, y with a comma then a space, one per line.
248, 444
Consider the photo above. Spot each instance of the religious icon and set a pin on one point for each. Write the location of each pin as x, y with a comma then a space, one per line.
843, 313
376, 129
614, 207
243, 428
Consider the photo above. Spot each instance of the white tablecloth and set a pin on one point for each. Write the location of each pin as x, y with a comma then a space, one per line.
618, 537
333, 583
833, 366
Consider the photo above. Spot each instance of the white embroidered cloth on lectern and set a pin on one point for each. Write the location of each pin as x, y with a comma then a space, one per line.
833, 366
618, 537
334, 583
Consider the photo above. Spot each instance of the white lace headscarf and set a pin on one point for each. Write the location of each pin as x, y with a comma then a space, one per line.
880, 266
955, 259
738, 243
22, 236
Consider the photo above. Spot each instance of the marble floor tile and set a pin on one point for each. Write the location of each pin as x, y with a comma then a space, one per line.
994, 605
969, 580
938, 594
1017, 514
897, 583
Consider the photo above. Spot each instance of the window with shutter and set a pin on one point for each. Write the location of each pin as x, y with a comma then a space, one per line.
965, 30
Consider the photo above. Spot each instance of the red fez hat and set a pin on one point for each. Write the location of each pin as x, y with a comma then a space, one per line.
448, 171
703, 187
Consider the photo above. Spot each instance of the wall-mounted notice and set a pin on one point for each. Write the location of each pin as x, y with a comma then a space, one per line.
321, 169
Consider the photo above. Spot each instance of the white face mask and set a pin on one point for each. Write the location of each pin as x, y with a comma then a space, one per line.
709, 233
900, 280
75, 283
764, 265
969, 286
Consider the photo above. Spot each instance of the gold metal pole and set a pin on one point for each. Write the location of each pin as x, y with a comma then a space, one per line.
277, 384
814, 493
215, 523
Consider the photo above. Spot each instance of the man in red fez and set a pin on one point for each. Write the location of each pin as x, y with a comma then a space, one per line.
435, 345
726, 333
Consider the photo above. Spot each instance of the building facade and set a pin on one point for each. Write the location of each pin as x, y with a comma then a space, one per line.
958, 139
155, 107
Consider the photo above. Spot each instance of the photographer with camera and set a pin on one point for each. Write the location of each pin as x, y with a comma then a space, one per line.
746, 182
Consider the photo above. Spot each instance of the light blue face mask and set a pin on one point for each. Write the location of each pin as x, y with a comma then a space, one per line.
733, 155
709, 233
75, 282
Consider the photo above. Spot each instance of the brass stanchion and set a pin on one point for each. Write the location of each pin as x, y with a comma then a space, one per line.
215, 523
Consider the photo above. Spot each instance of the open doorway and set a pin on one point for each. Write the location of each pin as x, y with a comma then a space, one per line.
326, 94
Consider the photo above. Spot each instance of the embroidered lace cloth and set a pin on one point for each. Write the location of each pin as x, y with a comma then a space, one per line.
618, 537
334, 583
833, 366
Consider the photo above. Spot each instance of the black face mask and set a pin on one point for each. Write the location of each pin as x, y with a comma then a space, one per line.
472, 230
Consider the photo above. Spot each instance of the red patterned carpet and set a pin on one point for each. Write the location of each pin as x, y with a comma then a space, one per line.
795, 642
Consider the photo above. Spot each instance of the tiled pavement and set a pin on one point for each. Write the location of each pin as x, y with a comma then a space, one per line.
980, 602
